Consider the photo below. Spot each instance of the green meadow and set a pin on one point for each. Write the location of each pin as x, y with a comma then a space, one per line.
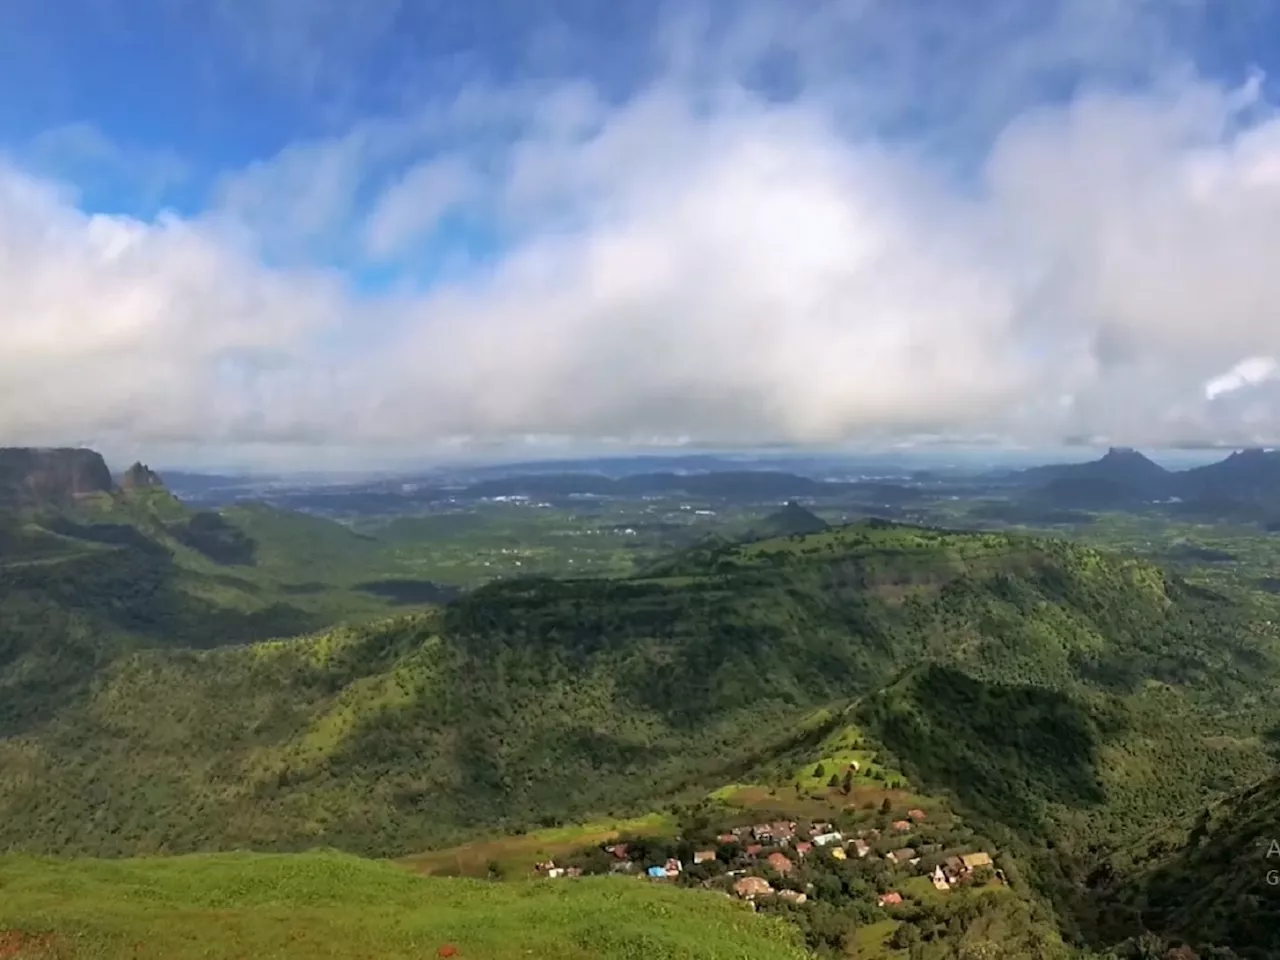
334, 905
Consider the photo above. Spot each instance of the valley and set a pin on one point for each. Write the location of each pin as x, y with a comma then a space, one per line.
470, 687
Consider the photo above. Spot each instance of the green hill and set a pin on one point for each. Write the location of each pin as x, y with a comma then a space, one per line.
328, 905
1066, 701
791, 519
536, 702
85, 582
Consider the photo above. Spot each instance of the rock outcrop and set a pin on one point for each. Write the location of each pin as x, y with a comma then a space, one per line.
140, 477
31, 475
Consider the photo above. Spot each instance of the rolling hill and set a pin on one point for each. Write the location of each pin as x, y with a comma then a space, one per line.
535, 702
87, 576
790, 520
175, 681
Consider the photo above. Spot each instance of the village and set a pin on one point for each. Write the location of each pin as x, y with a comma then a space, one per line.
796, 862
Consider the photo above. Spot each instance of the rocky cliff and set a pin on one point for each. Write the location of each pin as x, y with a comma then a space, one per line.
29, 475
140, 477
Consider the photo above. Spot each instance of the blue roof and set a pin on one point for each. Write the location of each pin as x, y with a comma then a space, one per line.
657, 872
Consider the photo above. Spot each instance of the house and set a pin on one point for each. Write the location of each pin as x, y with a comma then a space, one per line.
890, 899
817, 828
673, 867
753, 849
803, 848
544, 865
902, 826
822, 839
657, 873
573, 872
555, 873
762, 832
748, 888
703, 856
619, 851
861, 848
780, 863
901, 856
972, 861
792, 896
782, 830
727, 838
939, 878
916, 814
838, 853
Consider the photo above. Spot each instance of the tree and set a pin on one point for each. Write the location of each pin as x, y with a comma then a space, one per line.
846, 786
886, 807
834, 781
904, 937
819, 771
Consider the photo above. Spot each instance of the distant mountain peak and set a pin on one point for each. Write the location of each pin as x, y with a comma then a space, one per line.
140, 477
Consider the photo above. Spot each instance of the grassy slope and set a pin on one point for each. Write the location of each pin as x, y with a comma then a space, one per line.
515, 856
329, 905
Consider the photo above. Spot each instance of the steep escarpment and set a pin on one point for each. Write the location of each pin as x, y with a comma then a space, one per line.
29, 475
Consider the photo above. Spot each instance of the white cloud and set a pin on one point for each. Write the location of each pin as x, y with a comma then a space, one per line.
697, 261
295, 201
415, 202
1247, 373
110, 326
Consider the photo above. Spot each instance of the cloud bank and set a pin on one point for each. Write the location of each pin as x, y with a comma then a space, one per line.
702, 259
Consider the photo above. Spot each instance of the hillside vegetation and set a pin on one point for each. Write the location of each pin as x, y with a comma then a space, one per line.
173, 681
1211, 879
530, 703
83, 584
327, 905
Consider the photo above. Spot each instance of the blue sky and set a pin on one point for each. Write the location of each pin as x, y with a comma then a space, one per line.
307, 231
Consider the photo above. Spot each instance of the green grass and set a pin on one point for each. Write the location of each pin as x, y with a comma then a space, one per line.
516, 856
870, 940
329, 905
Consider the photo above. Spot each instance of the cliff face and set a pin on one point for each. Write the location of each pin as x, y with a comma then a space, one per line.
33, 475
